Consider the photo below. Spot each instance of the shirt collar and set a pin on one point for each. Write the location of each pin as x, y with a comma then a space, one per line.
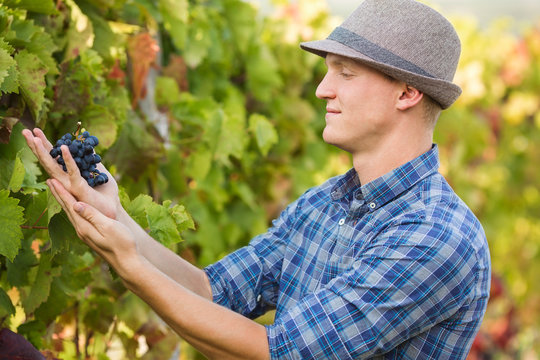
385, 188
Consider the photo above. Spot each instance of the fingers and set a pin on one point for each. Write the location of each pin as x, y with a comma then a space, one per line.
47, 161
73, 170
85, 229
39, 133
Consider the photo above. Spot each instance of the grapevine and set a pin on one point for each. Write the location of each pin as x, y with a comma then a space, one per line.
81, 146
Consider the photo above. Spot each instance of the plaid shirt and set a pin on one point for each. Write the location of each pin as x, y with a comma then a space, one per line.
396, 269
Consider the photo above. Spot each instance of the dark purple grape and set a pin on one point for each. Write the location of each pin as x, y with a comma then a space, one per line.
81, 148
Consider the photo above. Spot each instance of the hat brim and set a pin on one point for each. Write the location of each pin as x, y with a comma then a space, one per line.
442, 91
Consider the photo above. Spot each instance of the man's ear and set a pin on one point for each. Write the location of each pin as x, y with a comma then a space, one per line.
409, 97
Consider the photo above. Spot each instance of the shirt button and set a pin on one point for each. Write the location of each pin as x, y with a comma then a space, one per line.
372, 205
259, 297
341, 221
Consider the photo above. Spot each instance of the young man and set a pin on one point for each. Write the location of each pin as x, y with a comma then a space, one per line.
384, 261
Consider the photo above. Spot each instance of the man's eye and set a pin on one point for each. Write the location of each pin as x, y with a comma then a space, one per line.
346, 75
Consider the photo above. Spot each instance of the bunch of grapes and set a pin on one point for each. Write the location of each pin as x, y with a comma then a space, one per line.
81, 148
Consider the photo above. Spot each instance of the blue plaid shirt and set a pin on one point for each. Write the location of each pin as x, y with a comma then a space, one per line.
396, 269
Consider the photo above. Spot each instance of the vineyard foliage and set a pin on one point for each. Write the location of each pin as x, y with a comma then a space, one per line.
207, 118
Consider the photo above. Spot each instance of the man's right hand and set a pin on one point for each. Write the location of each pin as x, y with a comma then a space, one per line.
103, 197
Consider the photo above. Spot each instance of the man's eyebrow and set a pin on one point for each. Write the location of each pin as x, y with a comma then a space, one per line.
338, 62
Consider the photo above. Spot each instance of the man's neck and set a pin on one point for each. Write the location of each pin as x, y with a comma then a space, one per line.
374, 164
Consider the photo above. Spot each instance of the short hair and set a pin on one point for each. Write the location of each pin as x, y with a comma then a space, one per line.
432, 110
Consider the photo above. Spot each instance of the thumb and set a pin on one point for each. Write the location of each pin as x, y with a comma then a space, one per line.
87, 212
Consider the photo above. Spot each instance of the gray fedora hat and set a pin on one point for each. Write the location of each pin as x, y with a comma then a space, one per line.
404, 39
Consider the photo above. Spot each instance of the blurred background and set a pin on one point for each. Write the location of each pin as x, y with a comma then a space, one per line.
207, 118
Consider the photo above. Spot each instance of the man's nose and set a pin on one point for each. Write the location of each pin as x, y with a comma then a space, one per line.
325, 90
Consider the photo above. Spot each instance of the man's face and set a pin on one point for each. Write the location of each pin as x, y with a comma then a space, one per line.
360, 105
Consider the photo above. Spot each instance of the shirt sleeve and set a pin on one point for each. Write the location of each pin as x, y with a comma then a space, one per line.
246, 281
409, 279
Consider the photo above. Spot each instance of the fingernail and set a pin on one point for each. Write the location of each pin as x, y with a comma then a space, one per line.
78, 207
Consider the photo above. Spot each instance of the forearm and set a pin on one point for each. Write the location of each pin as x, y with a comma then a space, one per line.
217, 332
168, 262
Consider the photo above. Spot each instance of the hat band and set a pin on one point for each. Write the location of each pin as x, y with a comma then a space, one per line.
374, 51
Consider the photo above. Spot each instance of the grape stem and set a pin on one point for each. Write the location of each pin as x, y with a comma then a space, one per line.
78, 129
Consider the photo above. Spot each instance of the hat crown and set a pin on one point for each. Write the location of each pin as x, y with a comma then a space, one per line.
410, 30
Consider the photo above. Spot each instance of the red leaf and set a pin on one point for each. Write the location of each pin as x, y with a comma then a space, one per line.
142, 50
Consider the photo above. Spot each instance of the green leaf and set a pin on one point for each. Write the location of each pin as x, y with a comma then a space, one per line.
232, 139
162, 225
33, 331
17, 176
32, 80
241, 20
41, 287
53, 207
265, 133
19, 269
6, 62
6, 307
22, 32
167, 91
199, 163
175, 17
199, 39
263, 78
43, 46
80, 35
11, 81
11, 219
38, 6
137, 209
181, 217
100, 122
61, 232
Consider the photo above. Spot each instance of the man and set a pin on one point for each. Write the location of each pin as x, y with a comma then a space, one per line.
384, 261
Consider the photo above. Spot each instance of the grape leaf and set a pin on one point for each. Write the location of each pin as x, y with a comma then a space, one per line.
181, 217
232, 139
6, 307
80, 35
265, 133
199, 40
11, 81
19, 269
17, 176
11, 219
241, 21
175, 18
199, 163
143, 50
32, 80
38, 6
162, 225
33, 331
6, 127
99, 121
55, 304
6, 62
53, 207
263, 77
137, 209
42, 284
61, 232
22, 31
43, 46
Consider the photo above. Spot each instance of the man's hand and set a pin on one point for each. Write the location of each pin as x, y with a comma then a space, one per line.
104, 197
112, 240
